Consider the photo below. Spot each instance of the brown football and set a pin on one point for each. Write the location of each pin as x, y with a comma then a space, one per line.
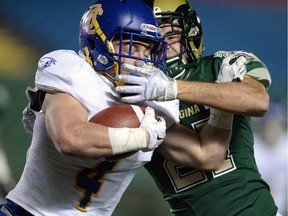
123, 115
117, 116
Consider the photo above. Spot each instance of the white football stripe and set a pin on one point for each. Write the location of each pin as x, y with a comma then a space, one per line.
138, 112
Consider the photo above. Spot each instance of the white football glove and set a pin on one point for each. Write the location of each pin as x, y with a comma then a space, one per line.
169, 110
155, 128
234, 67
151, 84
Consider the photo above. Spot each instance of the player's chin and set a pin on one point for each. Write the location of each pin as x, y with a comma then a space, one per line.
171, 54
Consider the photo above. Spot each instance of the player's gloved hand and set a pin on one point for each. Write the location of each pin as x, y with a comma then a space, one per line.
151, 84
28, 120
234, 67
155, 128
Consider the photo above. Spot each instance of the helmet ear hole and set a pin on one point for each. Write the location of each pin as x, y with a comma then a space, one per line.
92, 44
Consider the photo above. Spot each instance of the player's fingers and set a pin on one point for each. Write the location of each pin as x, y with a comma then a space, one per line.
138, 70
132, 99
133, 89
149, 111
130, 79
240, 61
247, 55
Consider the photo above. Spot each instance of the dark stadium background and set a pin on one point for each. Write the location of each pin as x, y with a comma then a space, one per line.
30, 28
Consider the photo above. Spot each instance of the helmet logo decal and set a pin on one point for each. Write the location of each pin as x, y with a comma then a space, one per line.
92, 22
150, 28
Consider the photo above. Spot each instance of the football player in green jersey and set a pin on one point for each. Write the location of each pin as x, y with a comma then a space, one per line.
199, 83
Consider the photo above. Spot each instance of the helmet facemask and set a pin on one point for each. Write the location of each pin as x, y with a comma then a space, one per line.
125, 40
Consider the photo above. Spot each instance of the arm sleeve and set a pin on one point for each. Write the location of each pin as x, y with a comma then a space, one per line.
56, 71
257, 70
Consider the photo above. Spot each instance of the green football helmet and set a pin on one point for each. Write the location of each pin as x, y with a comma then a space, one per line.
179, 13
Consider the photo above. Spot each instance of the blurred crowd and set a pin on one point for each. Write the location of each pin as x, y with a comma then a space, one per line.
7, 181
271, 152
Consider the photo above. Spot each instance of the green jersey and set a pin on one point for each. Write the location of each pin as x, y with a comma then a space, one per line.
236, 188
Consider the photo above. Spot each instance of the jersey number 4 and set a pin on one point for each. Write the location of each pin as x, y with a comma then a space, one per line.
90, 182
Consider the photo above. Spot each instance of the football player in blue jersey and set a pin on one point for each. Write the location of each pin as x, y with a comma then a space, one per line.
66, 172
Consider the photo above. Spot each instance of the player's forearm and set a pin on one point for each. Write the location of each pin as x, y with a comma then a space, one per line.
67, 126
184, 146
81, 140
90, 140
215, 142
247, 98
177, 146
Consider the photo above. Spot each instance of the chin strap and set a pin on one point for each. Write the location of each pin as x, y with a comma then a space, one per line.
176, 67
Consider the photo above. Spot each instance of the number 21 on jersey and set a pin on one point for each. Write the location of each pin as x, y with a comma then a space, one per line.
183, 177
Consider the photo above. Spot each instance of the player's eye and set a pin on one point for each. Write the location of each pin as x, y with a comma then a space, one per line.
147, 53
173, 37
126, 49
